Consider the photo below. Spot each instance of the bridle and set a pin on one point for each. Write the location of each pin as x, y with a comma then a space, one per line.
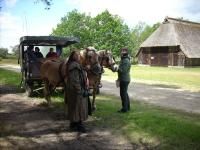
94, 69
105, 57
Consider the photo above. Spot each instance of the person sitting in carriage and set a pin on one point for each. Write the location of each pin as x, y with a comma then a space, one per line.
51, 54
37, 53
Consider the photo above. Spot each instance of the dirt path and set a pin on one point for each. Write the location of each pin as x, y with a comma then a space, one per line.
11, 67
26, 123
160, 95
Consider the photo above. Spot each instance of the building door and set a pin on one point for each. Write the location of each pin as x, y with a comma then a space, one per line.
181, 60
159, 56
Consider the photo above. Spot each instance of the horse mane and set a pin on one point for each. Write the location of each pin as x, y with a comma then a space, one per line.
84, 53
103, 52
91, 48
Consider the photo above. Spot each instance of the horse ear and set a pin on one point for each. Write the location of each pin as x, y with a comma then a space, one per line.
104, 52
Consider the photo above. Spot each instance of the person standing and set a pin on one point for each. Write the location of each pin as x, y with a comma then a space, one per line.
29, 58
76, 93
30, 54
124, 79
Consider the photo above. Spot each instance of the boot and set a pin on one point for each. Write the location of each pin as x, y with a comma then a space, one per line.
73, 126
81, 127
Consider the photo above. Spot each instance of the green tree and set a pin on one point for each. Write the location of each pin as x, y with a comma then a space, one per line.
140, 33
110, 32
15, 50
3, 52
75, 24
105, 31
48, 3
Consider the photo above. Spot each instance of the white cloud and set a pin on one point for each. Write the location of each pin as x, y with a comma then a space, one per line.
133, 11
12, 28
10, 3
8, 21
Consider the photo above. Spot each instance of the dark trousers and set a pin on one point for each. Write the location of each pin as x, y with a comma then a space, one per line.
124, 95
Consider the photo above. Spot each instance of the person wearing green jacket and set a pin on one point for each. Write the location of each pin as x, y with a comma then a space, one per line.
124, 79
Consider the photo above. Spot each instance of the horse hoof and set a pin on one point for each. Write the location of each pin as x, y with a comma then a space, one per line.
100, 85
50, 105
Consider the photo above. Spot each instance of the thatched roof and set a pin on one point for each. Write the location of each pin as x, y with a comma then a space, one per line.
177, 32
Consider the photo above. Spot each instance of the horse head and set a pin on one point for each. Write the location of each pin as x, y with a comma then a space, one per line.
106, 59
90, 60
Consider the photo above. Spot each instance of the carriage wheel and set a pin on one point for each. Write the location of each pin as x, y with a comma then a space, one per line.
29, 90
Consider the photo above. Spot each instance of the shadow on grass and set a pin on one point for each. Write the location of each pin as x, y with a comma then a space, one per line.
39, 127
176, 87
167, 86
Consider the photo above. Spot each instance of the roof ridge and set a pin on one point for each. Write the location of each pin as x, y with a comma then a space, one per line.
176, 20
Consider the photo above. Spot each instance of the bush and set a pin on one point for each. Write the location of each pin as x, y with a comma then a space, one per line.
12, 56
134, 61
3, 52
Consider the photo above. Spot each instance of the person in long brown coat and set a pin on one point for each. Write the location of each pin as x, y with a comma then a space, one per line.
76, 93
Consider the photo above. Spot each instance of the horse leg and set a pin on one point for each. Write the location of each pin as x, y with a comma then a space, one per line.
47, 92
93, 99
65, 103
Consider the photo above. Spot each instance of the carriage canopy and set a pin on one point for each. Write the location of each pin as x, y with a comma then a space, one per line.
48, 40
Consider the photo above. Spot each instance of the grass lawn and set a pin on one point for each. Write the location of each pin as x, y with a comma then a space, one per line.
9, 78
147, 125
9, 61
186, 78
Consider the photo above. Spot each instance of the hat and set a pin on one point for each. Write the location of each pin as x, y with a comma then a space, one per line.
125, 50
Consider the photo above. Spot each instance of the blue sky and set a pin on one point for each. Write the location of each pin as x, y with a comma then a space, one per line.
24, 17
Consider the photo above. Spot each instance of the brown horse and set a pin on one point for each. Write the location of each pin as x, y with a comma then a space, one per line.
106, 60
53, 72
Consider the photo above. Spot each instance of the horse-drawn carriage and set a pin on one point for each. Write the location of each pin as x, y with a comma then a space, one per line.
30, 67
40, 73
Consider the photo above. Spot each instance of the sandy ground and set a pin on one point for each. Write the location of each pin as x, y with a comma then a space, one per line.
27, 123
160, 95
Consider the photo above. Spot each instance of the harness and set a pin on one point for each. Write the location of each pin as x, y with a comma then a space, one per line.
62, 77
105, 57
60, 71
94, 67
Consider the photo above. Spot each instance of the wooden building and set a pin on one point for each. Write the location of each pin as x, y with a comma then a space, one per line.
175, 43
